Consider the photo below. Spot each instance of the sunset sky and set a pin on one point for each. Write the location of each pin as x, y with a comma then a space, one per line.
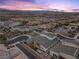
66, 5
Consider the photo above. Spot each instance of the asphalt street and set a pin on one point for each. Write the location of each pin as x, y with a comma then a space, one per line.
18, 39
26, 52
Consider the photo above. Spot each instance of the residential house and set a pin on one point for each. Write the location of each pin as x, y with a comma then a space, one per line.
45, 42
68, 52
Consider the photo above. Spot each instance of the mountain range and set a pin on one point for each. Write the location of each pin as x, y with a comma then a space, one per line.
27, 12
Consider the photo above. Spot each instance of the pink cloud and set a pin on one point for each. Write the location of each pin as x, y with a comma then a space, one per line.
20, 5
23, 6
22, 2
66, 8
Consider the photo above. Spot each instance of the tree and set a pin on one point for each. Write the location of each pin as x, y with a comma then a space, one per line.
77, 56
2, 37
24, 22
3, 18
52, 58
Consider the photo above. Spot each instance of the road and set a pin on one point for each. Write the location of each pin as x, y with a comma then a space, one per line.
26, 52
18, 39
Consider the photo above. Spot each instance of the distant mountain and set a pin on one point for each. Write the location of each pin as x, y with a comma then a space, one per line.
28, 12
25, 12
56, 10
76, 10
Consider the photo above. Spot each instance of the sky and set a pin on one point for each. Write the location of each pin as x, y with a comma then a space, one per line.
66, 5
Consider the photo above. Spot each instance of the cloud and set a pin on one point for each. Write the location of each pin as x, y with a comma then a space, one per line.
21, 5
36, 5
